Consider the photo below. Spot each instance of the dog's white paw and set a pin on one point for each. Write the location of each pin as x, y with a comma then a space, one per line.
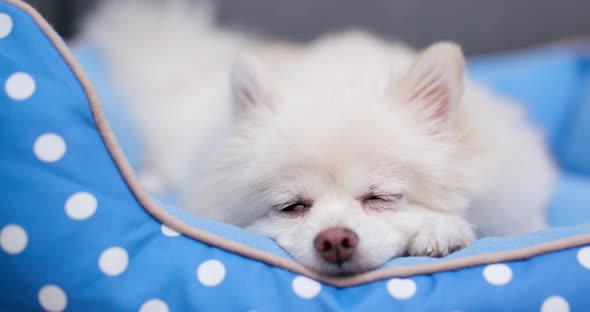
440, 236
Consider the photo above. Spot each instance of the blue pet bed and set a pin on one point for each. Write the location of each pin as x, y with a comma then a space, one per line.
78, 233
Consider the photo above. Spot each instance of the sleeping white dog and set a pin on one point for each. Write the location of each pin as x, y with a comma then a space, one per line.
348, 151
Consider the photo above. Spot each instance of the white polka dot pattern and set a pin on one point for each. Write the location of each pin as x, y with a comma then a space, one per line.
52, 298
5, 25
306, 288
497, 274
154, 305
168, 231
211, 273
13, 239
113, 261
20, 86
49, 147
81, 206
555, 304
401, 288
583, 256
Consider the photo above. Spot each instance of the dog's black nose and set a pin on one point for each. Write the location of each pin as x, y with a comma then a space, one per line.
336, 244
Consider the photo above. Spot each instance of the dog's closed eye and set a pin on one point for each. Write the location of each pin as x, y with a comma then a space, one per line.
295, 208
382, 197
380, 202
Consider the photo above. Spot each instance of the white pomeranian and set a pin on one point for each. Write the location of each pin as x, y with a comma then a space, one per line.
348, 151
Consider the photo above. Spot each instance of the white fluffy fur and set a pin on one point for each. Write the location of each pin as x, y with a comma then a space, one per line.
328, 123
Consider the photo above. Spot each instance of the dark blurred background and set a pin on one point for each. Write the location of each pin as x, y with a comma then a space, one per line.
481, 26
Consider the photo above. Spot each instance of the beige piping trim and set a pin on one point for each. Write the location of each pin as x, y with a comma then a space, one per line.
175, 223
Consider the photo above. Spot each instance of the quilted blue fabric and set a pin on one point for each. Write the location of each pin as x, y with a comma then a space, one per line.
73, 237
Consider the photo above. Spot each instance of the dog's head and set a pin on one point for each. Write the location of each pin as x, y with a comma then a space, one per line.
343, 178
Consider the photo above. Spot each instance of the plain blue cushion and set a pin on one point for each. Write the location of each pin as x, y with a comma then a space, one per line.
575, 148
553, 84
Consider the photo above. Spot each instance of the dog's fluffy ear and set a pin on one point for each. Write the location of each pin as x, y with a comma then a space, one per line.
250, 87
434, 83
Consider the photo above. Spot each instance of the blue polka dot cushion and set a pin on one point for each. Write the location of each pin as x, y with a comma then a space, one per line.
77, 233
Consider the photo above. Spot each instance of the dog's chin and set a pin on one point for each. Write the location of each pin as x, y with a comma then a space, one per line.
352, 266
344, 269
349, 267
